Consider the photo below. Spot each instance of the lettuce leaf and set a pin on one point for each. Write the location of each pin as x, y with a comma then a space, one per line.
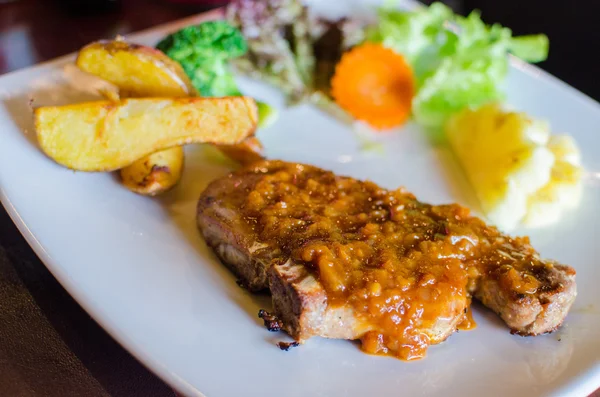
533, 48
458, 61
410, 33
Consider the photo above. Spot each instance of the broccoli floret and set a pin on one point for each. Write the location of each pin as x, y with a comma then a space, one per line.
204, 51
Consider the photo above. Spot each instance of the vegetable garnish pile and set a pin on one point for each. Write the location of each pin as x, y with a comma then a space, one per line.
292, 48
444, 70
458, 61
287, 64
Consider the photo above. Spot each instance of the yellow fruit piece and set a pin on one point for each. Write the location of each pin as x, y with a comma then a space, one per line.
565, 149
505, 157
564, 189
137, 70
105, 135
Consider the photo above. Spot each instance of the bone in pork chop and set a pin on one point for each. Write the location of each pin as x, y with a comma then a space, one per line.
348, 259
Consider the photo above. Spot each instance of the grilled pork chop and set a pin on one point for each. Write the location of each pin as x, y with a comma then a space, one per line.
347, 259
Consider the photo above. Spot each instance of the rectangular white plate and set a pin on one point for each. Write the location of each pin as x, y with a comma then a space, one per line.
140, 268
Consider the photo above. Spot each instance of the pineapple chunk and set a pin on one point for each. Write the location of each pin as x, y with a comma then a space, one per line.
565, 149
505, 157
564, 189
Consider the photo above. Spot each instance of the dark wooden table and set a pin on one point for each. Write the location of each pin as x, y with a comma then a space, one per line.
48, 345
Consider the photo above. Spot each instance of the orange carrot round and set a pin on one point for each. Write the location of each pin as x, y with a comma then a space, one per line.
374, 84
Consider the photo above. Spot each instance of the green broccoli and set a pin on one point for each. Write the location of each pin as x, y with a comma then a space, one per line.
204, 52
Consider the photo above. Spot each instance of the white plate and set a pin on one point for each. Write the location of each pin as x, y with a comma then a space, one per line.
141, 269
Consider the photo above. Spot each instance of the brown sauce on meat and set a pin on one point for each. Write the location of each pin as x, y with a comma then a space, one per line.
406, 268
467, 323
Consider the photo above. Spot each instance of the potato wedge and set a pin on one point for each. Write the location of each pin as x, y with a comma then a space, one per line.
106, 136
156, 173
138, 71
141, 71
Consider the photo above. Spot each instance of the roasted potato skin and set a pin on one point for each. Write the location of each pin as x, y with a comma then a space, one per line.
141, 71
154, 174
145, 170
106, 135
137, 70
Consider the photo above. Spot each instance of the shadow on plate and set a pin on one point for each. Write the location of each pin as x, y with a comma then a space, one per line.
456, 181
490, 317
21, 108
52, 90
203, 164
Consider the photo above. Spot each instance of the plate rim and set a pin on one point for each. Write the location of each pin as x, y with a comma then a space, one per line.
172, 380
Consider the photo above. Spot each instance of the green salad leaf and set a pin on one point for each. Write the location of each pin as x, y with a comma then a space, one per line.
458, 61
410, 33
530, 48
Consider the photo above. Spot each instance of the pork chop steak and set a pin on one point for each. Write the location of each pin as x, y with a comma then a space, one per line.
348, 259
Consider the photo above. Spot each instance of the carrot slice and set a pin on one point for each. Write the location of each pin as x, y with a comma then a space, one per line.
374, 84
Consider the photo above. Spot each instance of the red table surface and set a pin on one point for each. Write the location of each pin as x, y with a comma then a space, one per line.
48, 345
